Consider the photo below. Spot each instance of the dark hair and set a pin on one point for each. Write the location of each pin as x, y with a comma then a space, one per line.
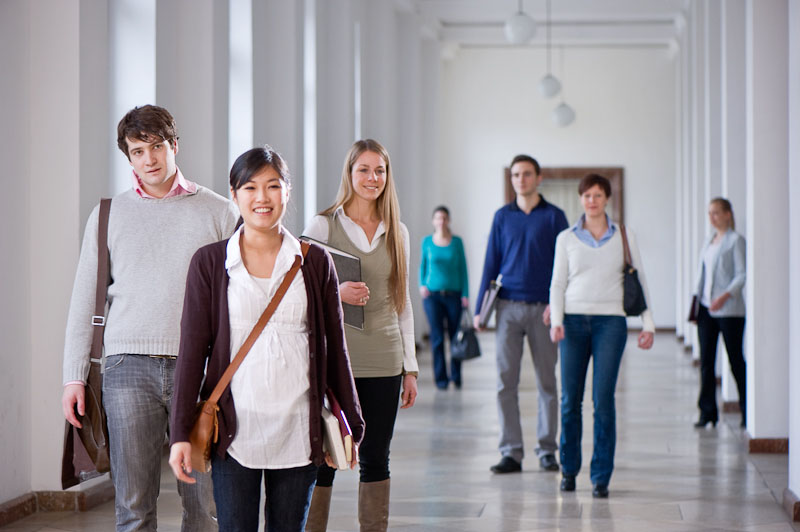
727, 207
594, 179
146, 123
442, 208
253, 161
526, 159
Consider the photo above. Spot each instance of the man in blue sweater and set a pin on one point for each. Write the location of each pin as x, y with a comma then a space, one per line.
521, 248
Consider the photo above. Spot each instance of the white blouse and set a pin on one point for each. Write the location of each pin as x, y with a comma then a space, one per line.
709, 257
271, 387
318, 230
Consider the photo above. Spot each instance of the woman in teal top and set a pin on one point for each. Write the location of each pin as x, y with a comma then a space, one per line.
444, 289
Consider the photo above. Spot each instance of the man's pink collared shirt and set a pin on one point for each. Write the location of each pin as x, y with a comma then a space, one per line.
180, 186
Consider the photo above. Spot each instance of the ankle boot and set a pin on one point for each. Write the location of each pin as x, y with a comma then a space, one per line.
320, 508
373, 506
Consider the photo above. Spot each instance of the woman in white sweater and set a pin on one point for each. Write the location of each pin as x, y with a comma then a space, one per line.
588, 320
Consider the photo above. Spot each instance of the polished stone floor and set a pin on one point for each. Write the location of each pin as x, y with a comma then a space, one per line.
669, 476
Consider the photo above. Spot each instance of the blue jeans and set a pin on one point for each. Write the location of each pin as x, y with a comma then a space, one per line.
441, 308
137, 394
237, 490
601, 338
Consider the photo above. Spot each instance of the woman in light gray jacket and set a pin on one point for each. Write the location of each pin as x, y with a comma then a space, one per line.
720, 282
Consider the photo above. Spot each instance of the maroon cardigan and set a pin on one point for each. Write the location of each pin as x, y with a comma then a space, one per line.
205, 339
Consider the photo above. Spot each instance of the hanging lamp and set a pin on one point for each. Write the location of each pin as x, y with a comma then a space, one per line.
520, 28
549, 85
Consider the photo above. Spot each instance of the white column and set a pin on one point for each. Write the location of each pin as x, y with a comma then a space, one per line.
15, 250
794, 247
684, 206
697, 206
682, 283
240, 93
379, 73
335, 97
278, 33
55, 180
732, 121
767, 219
192, 83
132, 51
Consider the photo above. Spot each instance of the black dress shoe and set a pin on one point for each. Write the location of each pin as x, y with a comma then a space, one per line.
548, 463
704, 420
506, 465
568, 483
600, 491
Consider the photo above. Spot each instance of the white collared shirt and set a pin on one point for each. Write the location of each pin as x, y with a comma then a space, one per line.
318, 230
271, 387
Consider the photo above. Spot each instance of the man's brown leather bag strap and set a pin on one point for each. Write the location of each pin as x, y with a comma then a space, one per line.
99, 318
257, 329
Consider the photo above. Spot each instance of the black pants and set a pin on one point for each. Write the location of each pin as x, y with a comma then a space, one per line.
708, 329
379, 398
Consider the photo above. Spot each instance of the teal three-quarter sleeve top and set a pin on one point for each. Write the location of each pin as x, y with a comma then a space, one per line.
444, 268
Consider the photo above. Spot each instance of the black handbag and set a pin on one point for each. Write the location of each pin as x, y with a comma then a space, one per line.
465, 346
633, 301
86, 450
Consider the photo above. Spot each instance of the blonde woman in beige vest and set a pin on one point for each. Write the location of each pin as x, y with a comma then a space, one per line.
365, 221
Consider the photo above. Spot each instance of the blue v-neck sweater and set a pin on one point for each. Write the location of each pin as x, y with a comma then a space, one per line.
521, 248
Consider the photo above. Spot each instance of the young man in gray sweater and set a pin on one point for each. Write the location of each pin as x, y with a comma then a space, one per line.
154, 229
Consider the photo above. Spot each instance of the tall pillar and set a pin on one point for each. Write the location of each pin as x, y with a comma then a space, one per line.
240, 91
697, 192
767, 222
132, 58
15, 250
192, 83
791, 497
278, 89
54, 221
335, 70
733, 145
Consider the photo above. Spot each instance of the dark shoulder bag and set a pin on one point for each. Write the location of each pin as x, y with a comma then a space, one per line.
86, 451
633, 299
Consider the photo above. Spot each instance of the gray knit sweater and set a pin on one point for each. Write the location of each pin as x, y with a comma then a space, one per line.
151, 242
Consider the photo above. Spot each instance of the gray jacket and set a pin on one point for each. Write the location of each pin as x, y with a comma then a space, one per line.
728, 275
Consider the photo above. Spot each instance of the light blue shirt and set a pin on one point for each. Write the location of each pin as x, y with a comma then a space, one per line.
585, 236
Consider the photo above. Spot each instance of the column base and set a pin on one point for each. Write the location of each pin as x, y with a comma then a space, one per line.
791, 504
55, 501
731, 407
768, 445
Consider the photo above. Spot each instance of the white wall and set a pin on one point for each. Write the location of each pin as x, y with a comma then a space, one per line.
625, 105
15, 416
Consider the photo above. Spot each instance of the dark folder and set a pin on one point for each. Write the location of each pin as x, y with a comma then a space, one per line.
348, 268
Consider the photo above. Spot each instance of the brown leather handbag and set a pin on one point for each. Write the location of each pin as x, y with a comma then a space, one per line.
205, 431
86, 449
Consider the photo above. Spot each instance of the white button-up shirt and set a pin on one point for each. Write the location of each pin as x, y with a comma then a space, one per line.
271, 387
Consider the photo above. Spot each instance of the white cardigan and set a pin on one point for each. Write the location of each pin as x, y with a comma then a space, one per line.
588, 280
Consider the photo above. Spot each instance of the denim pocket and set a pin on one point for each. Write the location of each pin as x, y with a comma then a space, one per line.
113, 362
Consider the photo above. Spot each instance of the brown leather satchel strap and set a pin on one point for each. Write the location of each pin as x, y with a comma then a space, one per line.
626, 251
257, 329
99, 318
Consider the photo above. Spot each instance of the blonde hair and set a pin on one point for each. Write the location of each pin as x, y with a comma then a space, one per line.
389, 211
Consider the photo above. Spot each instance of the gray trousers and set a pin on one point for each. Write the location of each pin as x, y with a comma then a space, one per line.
515, 320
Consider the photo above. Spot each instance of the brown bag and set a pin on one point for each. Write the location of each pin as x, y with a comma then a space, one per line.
86, 449
205, 430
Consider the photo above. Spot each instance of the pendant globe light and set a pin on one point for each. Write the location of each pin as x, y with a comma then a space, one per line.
520, 28
549, 85
563, 115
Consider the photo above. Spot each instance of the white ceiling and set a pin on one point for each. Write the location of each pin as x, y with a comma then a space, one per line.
573, 22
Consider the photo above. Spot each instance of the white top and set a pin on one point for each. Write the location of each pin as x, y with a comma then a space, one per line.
318, 230
709, 256
270, 389
588, 280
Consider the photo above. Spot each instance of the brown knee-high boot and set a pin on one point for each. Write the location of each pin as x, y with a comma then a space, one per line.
320, 508
373, 506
